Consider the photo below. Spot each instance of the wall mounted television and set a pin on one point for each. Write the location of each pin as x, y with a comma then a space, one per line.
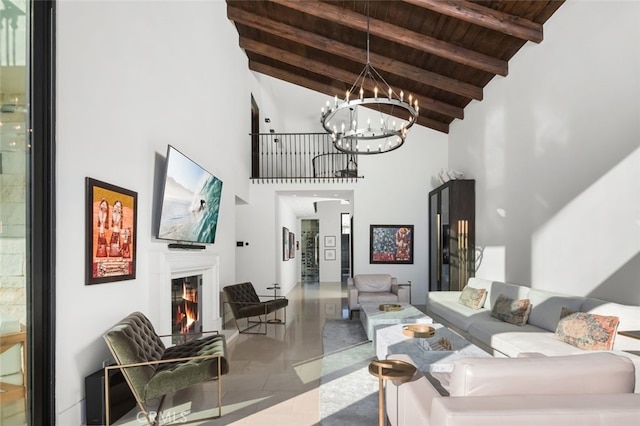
190, 202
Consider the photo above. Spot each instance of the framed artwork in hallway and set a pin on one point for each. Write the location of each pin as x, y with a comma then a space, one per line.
391, 244
292, 245
285, 243
111, 232
330, 254
330, 241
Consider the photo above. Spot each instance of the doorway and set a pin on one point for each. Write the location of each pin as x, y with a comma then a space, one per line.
345, 246
310, 249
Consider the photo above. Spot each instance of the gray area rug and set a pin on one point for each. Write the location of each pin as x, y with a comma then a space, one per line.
348, 393
339, 334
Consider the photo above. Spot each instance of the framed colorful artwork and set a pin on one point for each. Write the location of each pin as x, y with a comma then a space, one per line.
391, 244
111, 232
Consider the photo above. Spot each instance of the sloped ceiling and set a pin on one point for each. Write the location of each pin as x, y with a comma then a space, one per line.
442, 52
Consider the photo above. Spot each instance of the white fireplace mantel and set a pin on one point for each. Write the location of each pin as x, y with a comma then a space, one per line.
177, 264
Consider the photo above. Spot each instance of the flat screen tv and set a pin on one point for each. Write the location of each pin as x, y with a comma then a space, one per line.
190, 201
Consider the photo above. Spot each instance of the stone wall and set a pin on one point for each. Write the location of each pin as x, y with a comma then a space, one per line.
13, 301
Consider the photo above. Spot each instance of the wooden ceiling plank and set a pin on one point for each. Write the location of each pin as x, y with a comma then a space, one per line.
476, 14
340, 75
328, 90
399, 35
385, 63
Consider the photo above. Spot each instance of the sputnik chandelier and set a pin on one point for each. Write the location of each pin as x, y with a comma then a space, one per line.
369, 124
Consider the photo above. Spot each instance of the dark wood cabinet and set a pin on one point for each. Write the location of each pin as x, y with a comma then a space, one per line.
452, 213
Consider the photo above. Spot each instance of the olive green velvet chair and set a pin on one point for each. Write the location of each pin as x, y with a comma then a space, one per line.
245, 303
153, 370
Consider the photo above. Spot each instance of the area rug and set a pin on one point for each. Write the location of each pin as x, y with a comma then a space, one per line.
340, 334
348, 392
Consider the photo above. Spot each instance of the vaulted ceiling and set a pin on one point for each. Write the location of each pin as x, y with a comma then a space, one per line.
442, 52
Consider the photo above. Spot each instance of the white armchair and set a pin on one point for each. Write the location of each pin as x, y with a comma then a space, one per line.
374, 288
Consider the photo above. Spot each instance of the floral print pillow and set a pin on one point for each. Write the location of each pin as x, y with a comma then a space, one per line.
511, 311
473, 297
588, 331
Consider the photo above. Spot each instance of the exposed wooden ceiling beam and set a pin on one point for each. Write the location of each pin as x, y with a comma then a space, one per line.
399, 35
328, 90
341, 75
353, 53
476, 14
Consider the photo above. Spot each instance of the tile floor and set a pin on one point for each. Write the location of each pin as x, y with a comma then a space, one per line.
274, 378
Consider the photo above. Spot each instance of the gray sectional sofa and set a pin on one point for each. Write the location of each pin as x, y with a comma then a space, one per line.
538, 334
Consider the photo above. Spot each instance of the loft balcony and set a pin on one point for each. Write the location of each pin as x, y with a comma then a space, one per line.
300, 158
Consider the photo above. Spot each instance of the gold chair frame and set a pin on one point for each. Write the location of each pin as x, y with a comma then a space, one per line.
138, 399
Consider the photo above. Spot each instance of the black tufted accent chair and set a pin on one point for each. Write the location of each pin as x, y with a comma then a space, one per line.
153, 370
245, 303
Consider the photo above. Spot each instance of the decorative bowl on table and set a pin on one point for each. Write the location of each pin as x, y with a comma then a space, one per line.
390, 307
418, 330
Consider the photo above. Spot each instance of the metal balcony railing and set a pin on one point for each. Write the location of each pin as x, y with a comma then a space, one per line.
299, 157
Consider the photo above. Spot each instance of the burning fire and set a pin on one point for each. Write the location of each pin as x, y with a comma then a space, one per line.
187, 313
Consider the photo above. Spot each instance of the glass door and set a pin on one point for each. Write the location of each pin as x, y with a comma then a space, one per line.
14, 145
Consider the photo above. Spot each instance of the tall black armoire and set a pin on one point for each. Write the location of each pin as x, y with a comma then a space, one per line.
452, 214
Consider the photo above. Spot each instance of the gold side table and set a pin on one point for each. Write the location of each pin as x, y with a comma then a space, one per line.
390, 369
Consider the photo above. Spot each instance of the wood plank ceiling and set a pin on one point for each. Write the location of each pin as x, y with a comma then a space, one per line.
442, 52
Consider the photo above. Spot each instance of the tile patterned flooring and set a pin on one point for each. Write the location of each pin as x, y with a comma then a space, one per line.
274, 378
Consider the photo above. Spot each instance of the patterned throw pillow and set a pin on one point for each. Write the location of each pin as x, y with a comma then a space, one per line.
588, 331
511, 311
473, 297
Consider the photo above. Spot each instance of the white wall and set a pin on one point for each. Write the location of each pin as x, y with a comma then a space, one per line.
395, 192
329, 216
287, 272
554, 149
133, 77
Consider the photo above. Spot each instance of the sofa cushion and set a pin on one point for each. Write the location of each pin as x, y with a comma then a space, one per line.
556, 410
512, 340
510, 310
473, 297
444, 304
373, 282
476, 282
375, 297
588, 331
528, 339
546, 308
607, 373
512, 291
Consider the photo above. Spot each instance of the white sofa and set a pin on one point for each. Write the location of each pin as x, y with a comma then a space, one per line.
535, 378
587, 389
538, 335
374, 288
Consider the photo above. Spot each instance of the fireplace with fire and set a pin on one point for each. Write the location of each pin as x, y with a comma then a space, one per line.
186, 311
